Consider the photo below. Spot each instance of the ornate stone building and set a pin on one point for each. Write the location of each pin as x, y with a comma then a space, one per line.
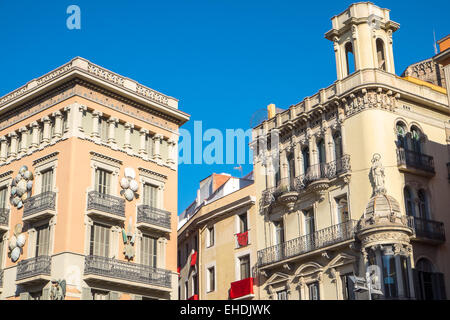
88, 174
355, 176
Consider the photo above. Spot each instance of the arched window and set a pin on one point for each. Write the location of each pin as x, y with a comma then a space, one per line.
416, 137
305, 156
409, 202
350, 58
321, 150
380, 55
337, 139
424, 265
423, 204
401, 135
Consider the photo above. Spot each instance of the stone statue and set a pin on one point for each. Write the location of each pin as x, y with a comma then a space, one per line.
128, 241
58, 290
377, 172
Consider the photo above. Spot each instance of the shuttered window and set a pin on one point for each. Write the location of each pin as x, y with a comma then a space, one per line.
102, 181
1, 251
245, 266
148, 251
47, 180
42, 240
99, 244
314, 291
3, 195
150, 195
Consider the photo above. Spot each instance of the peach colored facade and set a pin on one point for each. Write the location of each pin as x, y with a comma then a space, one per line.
81, 121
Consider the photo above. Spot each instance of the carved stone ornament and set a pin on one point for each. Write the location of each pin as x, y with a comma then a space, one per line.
129, 239
21, 186
58, 290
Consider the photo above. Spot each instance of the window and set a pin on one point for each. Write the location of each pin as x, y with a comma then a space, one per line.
309, 221
416, 140
210, 241
337, 140
423, 204
282, 295
195, 243
405, 275
42, 240
347, 287
380, 55
401, 135
3, 197
409, 202
99, 244
102, 181
243, 225
150, 195
186, 290
244, 263
194, 284
47, 180
313, 289
342, 208
276, 167
305, 156
321, 151
350, 59
389, 276
148, 251
1, 251
279, 231
211, 279
291, 169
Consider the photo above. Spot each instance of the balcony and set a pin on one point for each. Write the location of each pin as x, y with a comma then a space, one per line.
110, 270
40, 206
34, 270
427, 230
323, 238
415, 162
242, 289
106, 206
317, 177
153, 218
4, 219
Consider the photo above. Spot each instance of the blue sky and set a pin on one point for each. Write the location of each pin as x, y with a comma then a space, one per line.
224, 60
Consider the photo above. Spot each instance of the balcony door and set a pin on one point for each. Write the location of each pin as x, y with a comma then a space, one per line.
3, 197
148, 251
305, 157
42, 240
279, 239
100, 242
244, 267
102, 181
150, 195
310, 229
47, 181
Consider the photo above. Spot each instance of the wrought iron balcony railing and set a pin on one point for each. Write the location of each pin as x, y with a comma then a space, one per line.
315, 172
415, 160
113, 268
40, 202
106, 203
40, 265
307, 243
427, 229
4, 217
154, 216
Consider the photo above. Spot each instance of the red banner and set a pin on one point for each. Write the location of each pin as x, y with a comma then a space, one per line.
194, 259
241, 288
194, 297
242, 239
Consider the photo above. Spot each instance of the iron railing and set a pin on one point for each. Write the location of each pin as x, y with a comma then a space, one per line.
106, 203
307, 243
154, 216
40, 202
315, 172
415, 159
40, 265
4, 217
428, 229
113, 268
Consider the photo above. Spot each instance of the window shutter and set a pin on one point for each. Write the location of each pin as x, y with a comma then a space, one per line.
86, 294
24, 296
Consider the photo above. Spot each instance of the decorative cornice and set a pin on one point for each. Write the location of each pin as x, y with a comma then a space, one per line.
100, 156
44, 158
5, 174
148, 172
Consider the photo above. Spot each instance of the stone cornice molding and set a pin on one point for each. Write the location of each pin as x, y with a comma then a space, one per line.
101, 157
45, 158
6, 174
151, 174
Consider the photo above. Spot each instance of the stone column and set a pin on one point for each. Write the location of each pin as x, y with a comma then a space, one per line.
69, 125
398, 271
3, 149
111, 130
46, 134
13, 141
35, 135
58, 124
79, 118
157, 146
171, 151
96, 124
142, 139
24, 142
127, 143
412, 292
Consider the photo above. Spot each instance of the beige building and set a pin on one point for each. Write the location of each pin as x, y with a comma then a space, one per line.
88, 178
217, 241
354, 177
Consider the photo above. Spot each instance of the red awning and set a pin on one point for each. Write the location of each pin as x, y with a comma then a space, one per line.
194, 259
242, 239
241, 288
194, 297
